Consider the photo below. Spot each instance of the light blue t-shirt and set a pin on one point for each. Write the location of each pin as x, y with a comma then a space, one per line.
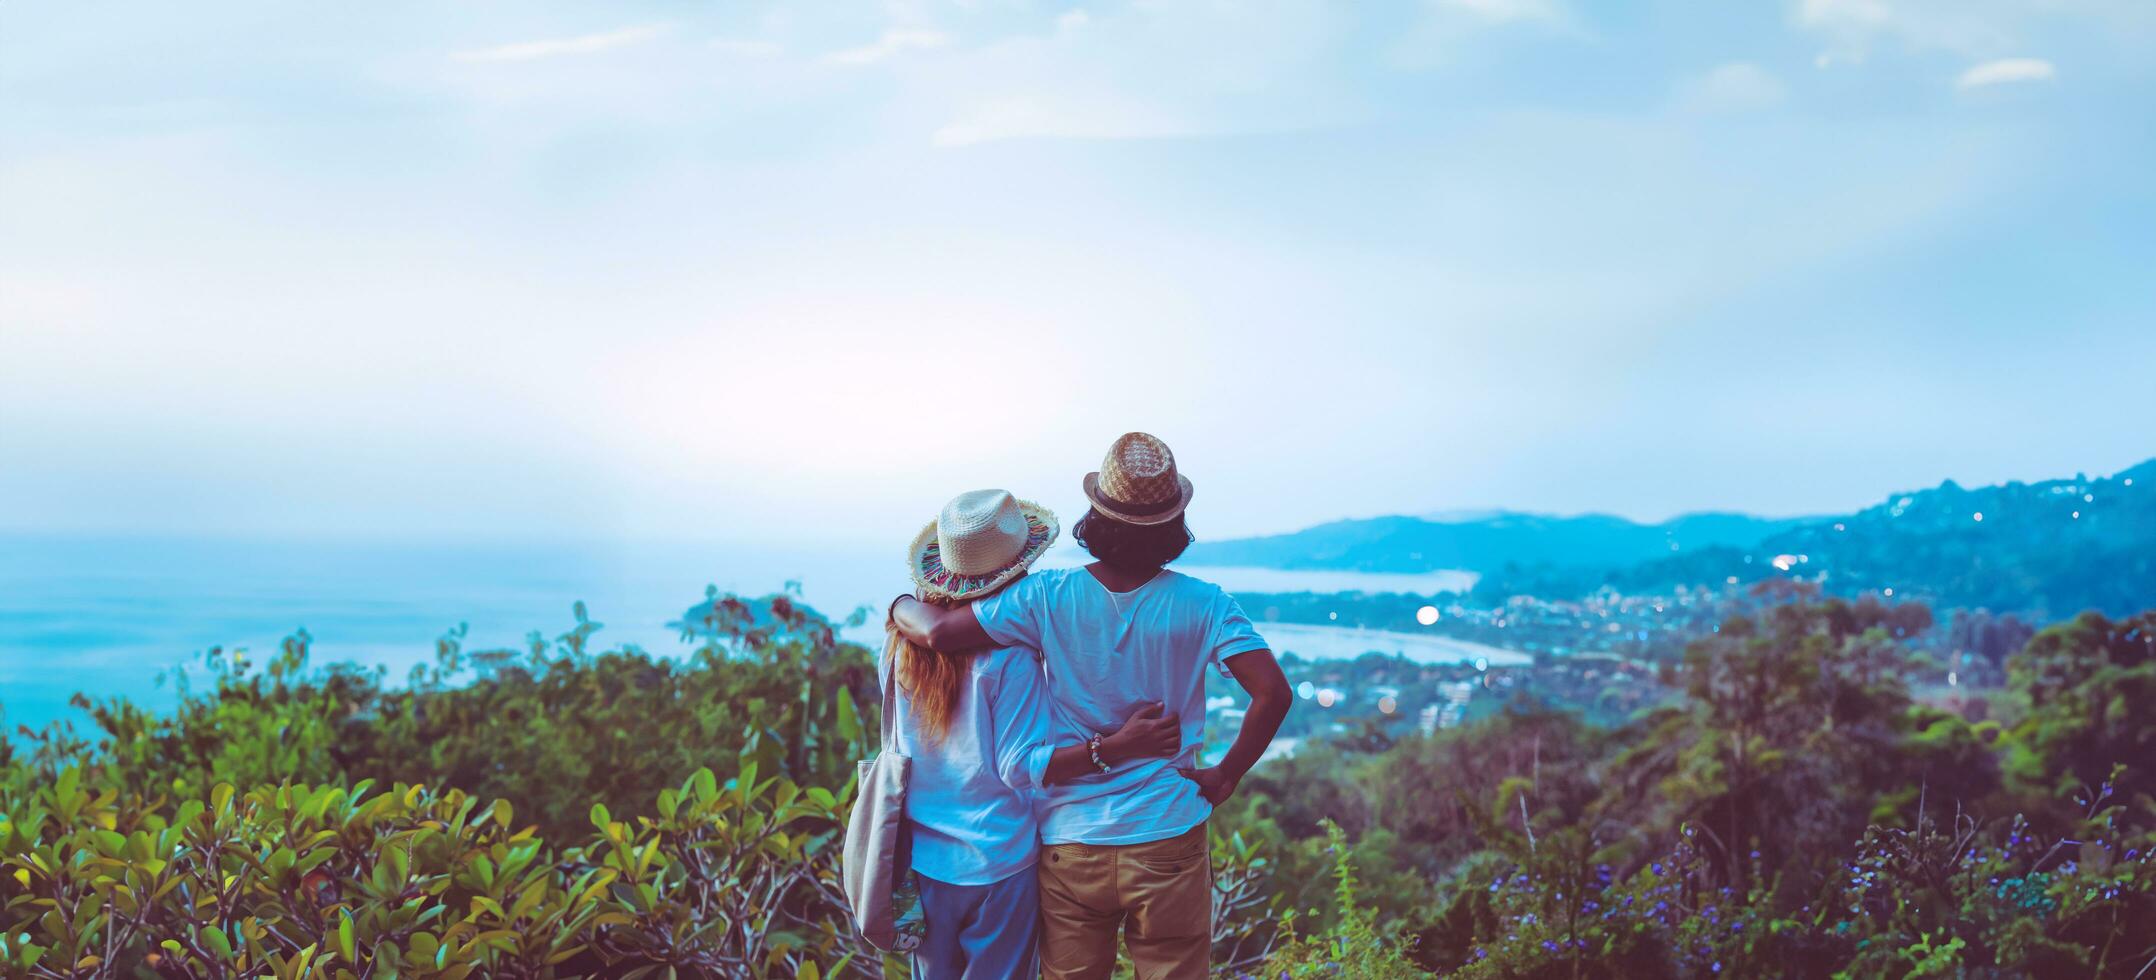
971, 798
1107, 654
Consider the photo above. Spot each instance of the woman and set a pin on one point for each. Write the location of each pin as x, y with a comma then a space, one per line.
976, 728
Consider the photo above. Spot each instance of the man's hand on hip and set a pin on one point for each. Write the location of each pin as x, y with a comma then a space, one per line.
1214, 783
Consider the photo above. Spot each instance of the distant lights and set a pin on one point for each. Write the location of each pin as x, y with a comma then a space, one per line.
1953, 679
1979, 517
1332, 615
1839, 526
1305, 690
1388, 704
1328, 697
2088, 498
1482, 664
2077, 515
1427, 615
2129, 481
1889, 592
1731, 580
1784, 562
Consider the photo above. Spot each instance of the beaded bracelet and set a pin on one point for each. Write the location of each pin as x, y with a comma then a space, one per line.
1092, 747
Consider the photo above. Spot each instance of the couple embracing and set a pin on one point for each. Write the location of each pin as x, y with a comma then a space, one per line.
1053, 722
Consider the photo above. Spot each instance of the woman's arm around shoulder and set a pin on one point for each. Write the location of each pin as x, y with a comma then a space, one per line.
946, 629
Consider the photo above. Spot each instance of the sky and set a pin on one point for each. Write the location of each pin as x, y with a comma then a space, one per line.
800, 272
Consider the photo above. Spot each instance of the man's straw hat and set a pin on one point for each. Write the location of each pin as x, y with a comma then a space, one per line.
1137, 483
982, 540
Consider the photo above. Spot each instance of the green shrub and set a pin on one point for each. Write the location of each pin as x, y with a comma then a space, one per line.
552, 728
298, 880
1352, 948
1783, 818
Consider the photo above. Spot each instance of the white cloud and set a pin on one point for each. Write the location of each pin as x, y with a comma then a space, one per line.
1735, 86
1852, 29
893, 42
1505, 11
2006, 70
1063, 116
1445, 27
1843, 14
554, 47
1146, 71
747, 47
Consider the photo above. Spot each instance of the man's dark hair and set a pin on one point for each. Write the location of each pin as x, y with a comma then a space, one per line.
1135, 546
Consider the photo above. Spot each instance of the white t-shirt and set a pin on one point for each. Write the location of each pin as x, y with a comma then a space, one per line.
1107, 654
971, 798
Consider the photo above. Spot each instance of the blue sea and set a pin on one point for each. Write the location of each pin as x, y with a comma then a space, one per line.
105, 616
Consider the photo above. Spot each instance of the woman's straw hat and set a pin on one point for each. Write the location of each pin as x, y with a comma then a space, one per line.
982, 540
1137, 483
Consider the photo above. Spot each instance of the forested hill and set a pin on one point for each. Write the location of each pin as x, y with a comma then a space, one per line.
1488, 543
2049, 549
2053, 548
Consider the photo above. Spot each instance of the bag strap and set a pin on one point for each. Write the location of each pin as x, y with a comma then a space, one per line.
890, 690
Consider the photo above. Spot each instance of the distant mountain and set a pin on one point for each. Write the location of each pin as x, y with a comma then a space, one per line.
2049, 549
1488, 541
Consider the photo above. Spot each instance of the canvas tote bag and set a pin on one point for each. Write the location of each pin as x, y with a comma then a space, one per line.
874, 869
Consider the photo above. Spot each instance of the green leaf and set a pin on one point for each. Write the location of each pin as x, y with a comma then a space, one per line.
344, 939
849, 720
386, 960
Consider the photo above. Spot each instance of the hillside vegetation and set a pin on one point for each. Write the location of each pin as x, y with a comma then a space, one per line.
2045, 550
555, 811
1486, 543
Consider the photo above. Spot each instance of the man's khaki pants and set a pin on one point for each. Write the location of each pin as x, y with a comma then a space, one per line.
1160, 893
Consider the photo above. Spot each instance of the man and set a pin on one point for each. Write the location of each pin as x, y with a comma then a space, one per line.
1127, 849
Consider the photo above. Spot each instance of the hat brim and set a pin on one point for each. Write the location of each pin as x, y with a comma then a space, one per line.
1112, 509
933, 581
